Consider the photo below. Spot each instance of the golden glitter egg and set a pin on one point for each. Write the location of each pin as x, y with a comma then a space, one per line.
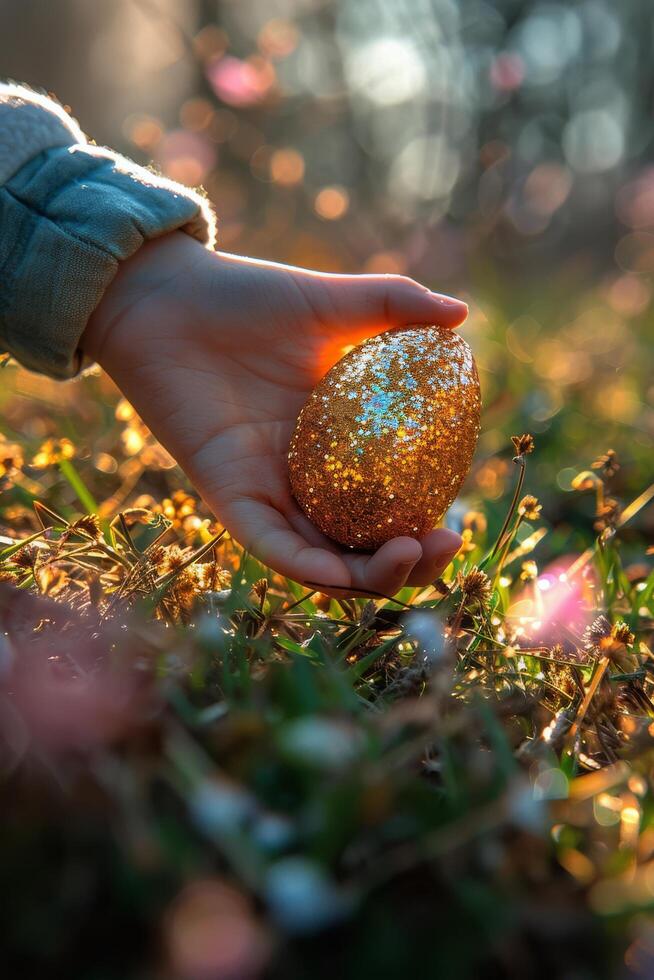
386, 438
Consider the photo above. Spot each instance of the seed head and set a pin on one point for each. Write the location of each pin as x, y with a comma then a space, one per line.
260, 588
26, 557
599, 629
173, 559
475, 585
622, 634
156, 554
89, 524
182, 595
523, 444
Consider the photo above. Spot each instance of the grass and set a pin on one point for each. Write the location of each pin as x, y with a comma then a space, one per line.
209, 771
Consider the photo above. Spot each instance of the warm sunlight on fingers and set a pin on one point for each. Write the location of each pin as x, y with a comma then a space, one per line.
334, 348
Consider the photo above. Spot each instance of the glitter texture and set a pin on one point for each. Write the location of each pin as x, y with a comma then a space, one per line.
386, 439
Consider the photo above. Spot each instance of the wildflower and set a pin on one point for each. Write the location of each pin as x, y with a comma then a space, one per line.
523, 444
529, 508
607, 463
622, 634
475, 585
599, 629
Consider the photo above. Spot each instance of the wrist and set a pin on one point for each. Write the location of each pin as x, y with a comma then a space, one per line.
158, 265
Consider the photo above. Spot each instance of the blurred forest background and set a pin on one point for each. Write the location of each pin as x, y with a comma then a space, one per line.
500, 151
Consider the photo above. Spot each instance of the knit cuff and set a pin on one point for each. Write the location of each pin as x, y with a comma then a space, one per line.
67, 218
29, 124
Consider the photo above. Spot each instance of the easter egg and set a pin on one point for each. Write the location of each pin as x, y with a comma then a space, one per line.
386, 439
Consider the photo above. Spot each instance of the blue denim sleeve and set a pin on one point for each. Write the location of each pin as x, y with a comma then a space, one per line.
68, 217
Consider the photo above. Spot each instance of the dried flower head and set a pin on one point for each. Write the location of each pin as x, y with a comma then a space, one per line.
622, 634
523, 444
607, 463
599, 629
89, 525
26, 557
475, 585
260, 589
181, 596
173, 560
211, 578
156, 554
529, 508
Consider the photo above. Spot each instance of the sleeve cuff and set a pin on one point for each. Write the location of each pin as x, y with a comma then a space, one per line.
29, 124
69, 216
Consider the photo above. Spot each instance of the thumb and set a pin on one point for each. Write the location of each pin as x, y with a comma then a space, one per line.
379, 302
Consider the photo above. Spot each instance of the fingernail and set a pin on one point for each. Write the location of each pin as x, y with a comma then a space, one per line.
450, 301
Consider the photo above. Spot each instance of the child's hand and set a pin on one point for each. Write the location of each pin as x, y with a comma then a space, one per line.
218, 354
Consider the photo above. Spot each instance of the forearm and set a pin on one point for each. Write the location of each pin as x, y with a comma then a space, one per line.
70, 214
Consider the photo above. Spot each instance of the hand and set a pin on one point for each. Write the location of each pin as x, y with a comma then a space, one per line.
218, 354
